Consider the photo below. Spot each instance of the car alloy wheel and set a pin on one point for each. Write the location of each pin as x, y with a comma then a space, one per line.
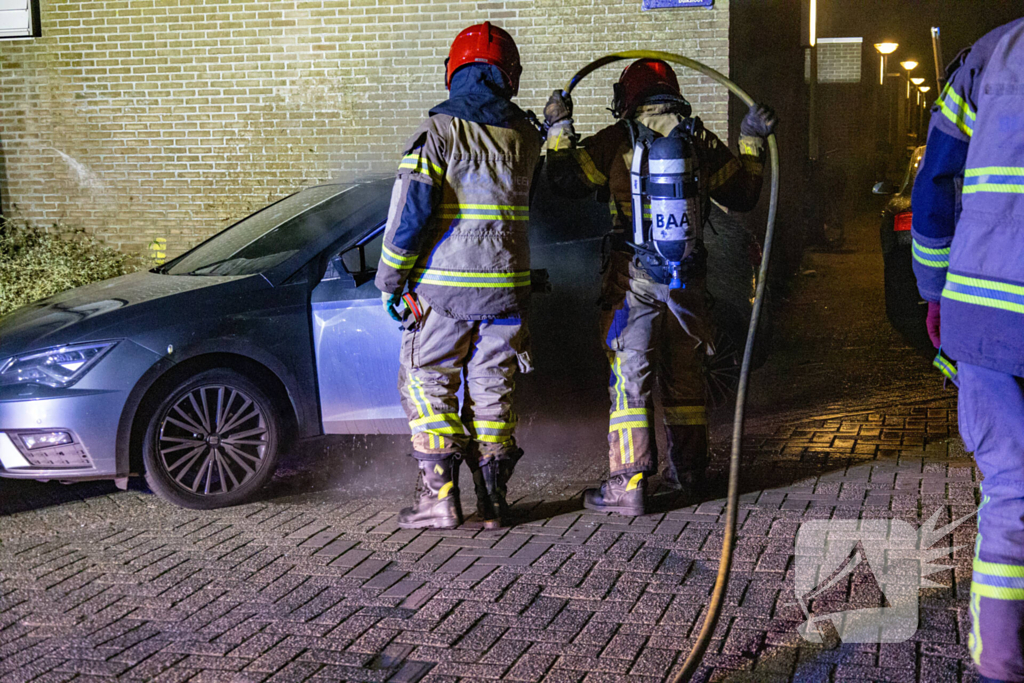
212, 442
213, 439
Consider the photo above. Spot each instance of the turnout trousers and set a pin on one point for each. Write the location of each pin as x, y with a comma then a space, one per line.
652, 333
438, 354
991, 414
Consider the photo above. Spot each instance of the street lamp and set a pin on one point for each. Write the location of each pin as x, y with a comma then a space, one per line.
909, 65
884, 50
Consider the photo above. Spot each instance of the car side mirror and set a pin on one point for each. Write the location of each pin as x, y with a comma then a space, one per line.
883, 188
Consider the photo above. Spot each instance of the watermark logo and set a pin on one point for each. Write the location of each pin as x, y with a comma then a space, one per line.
898, 557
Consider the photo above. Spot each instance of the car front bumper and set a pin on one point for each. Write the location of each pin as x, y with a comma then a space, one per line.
89, 411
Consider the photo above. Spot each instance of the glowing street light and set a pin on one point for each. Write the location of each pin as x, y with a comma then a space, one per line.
917, 81
884, 50
909, 65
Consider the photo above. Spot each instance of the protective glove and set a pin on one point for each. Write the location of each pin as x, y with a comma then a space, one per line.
931, 322
391, 302
558, 108
759, 122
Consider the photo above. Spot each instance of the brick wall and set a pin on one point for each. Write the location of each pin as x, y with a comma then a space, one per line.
839, 60
139, 119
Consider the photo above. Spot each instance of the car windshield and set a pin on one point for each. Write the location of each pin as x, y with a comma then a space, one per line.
273, 234
915, 163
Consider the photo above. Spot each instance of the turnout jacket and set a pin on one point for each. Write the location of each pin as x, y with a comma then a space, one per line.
456, 232
974, 263
603, 161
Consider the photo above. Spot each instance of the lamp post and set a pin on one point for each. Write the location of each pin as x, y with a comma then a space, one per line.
885, 49
923, 90
908, 65
812, 95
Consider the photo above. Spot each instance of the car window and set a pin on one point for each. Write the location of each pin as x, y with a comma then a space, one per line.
915, 163
268, 237
359, 261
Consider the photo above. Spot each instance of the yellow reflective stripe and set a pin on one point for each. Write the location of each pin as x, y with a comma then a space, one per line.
921, 254
444, 418
952, 94
722, 176
445, 490
496, 207
629, 411
396, 260
586, 164
478, 285
996, 569
944, 251
416, 159
986, 284
492, 424
457, 278
997, 592
958, 118
994, 170
983, 301
484, 217
994, 187
637, 424
634, 481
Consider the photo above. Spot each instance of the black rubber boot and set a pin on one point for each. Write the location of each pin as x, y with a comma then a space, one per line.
490, 480
436, 501
622, 493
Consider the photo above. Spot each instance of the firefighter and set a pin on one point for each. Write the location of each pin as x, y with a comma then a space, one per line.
649, 330
456, 244
971, 269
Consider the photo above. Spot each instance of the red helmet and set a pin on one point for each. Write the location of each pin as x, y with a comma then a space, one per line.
642, 79
488, 44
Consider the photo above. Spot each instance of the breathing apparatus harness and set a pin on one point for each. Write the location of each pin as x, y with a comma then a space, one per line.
669, 201
668, 243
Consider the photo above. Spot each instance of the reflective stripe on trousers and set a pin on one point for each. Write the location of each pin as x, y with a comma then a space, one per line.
644, 339
435, 359
991, 414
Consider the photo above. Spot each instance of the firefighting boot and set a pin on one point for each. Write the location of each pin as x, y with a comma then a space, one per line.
436, 501
490, 479
621, 493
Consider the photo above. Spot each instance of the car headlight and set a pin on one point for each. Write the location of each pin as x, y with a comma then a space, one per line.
60, 366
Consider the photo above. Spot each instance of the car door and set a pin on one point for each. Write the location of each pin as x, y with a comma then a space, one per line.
356, 345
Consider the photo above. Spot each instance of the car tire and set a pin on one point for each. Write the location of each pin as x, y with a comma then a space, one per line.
212, 441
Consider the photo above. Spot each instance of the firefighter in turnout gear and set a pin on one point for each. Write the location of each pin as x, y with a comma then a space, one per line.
456, 246
970, 267
652, 326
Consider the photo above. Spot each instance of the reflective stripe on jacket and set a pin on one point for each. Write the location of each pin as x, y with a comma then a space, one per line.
980, 262
457, 227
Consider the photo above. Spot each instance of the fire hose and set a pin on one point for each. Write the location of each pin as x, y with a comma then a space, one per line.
729, 539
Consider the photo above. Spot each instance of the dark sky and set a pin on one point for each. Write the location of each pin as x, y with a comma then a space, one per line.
907, 22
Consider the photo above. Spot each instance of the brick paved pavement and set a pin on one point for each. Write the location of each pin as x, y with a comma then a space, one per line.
97, 583
315, 582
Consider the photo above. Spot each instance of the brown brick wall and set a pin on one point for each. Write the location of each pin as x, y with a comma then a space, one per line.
144, 118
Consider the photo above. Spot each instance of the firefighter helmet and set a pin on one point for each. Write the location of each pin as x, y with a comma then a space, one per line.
641, 80
488, 44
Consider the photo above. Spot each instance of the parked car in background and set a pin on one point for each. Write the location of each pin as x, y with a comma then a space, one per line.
903, 304
199, 372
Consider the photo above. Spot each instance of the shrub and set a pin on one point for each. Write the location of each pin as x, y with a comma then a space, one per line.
36, 263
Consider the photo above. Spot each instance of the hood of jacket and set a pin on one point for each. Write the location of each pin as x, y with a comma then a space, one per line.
479, 94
